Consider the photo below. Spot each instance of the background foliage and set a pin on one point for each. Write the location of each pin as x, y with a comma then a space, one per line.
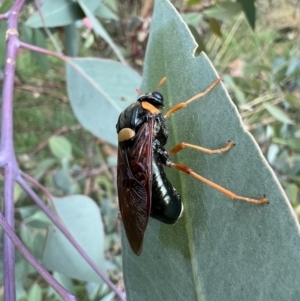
260, 69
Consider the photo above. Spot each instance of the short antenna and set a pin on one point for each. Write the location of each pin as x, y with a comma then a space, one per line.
161, 82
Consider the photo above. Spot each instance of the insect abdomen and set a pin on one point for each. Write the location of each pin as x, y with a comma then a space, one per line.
166, 201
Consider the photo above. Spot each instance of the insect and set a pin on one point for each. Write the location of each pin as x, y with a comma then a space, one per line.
143, 187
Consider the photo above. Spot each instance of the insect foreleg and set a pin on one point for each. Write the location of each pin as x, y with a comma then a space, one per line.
183, 104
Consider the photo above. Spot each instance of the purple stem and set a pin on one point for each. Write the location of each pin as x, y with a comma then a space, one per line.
42, 50
7, 148
11, 170
65, 231
8, 246
34, 262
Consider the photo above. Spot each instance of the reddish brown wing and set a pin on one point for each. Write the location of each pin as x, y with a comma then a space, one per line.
135, 184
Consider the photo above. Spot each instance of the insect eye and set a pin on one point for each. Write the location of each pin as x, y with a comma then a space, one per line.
157, 99
158, 96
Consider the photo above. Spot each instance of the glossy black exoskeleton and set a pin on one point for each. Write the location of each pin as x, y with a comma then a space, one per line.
143, 187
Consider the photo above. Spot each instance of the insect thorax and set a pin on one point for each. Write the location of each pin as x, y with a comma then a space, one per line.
132, 117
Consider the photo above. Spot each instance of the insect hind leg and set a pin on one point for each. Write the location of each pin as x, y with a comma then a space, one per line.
228, 193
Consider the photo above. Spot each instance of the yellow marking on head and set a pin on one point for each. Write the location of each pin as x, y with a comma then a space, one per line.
149, 107
126, 134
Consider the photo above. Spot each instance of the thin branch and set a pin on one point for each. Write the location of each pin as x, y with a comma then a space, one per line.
3, 16
42, 50
50, 35
34, 262
40, 186
60, 131
35, 91
67, 234
65, 58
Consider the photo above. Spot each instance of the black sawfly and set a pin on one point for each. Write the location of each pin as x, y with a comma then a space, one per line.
143, 187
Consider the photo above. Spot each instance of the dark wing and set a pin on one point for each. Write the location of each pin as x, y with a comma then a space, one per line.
134, 181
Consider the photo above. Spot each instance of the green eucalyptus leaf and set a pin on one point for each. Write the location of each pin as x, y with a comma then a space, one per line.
35, 293
62, 181
105, 12
23, 269
112, 4
92, 5
20, 291
65, 281
43, 167
27, 211
60, 147
99, 90
109, 297
56, 13
221, 249
82, 218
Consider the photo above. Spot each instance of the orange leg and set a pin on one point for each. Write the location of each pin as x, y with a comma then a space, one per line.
182, 105
180, 146
223, 190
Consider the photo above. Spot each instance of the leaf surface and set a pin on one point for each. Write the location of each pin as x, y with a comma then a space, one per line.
221, 249
99, 90
60, 147
82, 218
56, 13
